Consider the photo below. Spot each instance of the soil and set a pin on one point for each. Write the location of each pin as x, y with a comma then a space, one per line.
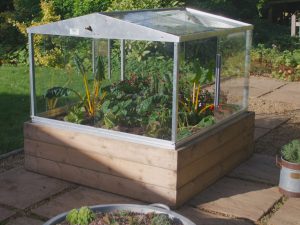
131, 218
12, 162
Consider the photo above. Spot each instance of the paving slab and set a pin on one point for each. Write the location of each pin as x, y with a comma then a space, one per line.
259, 167
20, 188
234, 89
76, 198
288, 214
289, 93
259, 132
204, 218
273, 141
237, 198
259, 86
25, 221
269, 121
5, 213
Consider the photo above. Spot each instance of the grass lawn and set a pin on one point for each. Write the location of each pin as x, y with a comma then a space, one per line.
14, 106
15, 99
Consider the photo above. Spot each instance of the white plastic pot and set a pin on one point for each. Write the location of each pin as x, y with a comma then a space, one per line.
289, 183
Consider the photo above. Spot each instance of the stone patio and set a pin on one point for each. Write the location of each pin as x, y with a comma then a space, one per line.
248, 195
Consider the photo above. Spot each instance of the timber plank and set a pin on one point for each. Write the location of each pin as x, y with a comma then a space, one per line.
195, 186
210, 176
135, 170
93, 160
211, 159
80, 141
236, 158
214, 138
110, 183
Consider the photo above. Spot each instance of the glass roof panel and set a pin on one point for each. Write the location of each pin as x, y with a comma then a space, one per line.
178, 22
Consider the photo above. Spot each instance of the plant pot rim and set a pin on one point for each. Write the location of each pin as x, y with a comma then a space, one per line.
157, 208
290, 165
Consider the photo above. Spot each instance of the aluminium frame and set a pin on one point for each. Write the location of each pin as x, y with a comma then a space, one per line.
173, 143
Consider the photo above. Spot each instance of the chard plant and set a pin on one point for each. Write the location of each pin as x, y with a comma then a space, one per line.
90, 101
197, 103
197, 107
193, 102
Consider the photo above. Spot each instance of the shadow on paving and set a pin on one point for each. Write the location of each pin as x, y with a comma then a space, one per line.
200, 217
272, 142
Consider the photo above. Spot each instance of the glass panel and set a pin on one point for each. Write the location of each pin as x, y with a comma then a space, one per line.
198, 107
73, 85
142, 103
178, 22
196, 86
58, 80
233, 52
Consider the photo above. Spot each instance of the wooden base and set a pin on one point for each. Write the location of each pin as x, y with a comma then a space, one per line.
139, 171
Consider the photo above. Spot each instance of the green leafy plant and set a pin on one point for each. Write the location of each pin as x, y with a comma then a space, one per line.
185, 131
159, 124
161, 219
75, 114
196, 104
291, 151
53, 94
279, 64
83, 216
91, 100
192, 104
133, 104
192, 112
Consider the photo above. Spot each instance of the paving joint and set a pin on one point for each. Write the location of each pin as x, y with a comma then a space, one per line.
9, 207
272, 90
229, 216
263, 220
257, 139
28, 211
249, 180
280, 124
38, 217
43, 201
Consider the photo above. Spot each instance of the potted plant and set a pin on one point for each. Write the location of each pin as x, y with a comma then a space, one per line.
289, 163
115, 214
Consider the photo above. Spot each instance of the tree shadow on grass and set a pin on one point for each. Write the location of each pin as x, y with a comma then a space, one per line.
14, 111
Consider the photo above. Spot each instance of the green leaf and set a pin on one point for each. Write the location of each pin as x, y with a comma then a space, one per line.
206, 121
100, 69
72, 217
79, 65
291, 151
56, 92
110, 120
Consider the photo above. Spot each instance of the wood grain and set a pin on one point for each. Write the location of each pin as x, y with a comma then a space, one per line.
110, 183
93, 160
